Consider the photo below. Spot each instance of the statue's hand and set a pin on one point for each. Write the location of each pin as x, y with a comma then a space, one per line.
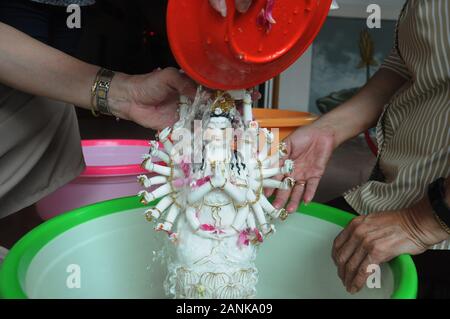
288, 167
218, 179
288, 183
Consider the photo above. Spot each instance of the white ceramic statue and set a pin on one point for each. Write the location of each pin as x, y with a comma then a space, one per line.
214, 209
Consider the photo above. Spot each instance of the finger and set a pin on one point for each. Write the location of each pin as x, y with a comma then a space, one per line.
353, 265
281, 198
381, 248
179, 82
361, 276
310, 191
269, 191
296, 196
220, 6
243, 5
343, 254
344, 235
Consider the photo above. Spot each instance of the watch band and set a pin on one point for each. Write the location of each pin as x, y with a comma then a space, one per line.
103, 85
436, 196
100, 91
93, 96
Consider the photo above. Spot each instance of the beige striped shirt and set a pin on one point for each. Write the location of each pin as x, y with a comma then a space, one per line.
413, 132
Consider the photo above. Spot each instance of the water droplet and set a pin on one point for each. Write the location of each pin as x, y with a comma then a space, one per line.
208, 40
290, 21
260, 48
296, 10
226, 39
240, 30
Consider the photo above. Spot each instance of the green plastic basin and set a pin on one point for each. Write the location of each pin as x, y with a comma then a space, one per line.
113, 250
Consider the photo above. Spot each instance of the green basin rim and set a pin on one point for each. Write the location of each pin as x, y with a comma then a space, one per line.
19, 258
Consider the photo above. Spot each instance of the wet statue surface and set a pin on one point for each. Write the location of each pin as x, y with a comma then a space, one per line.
210, 187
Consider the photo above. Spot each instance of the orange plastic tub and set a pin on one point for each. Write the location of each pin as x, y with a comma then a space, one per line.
285, 121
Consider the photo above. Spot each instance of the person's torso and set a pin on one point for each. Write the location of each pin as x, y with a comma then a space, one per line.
40, 148
414, 131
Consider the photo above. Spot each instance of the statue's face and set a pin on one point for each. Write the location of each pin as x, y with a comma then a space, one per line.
219, 131
218, 137
220, 122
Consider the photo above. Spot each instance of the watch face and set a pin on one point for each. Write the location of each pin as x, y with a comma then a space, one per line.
101, 94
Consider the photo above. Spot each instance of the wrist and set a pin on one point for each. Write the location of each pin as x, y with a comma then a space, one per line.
420, 222
119, 97
328, 126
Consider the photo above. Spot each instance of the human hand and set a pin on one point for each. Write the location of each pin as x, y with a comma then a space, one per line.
221, 6
310, 148
380, 237
150, 100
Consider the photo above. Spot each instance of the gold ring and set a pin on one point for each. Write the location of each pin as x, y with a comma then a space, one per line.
290, 181
301, 183
283, 214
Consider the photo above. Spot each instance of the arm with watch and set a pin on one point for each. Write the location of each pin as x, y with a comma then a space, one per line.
380, 237
150, 100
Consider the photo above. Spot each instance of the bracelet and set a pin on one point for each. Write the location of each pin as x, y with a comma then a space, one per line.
239, 206
99, 92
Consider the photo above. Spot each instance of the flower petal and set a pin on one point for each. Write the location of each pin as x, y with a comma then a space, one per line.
269, 11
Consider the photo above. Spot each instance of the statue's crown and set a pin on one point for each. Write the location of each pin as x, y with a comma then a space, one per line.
222, 104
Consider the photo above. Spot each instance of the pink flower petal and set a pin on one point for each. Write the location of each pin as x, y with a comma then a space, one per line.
185, 167
269, 11
202, 181
243, 239
265, 18
207, 227
258, 235
261, 19
180, 182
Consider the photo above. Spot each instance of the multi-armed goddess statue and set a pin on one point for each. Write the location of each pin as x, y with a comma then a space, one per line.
212, 204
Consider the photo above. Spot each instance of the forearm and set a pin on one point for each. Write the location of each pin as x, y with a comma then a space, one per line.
362, 111
33, 67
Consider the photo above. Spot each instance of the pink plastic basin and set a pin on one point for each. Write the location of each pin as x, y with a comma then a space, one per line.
112, 167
